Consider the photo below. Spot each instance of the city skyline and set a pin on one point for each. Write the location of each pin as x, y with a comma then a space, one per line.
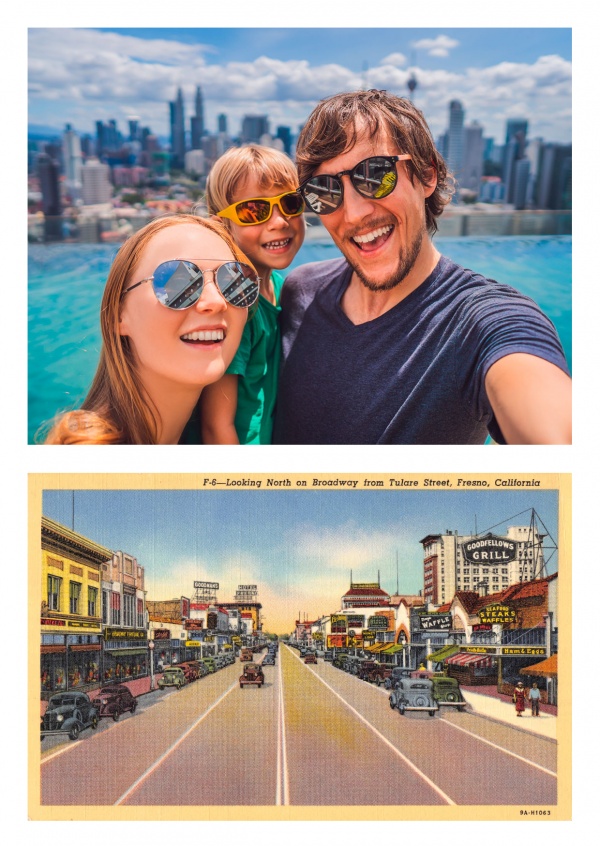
299, 547
497, 74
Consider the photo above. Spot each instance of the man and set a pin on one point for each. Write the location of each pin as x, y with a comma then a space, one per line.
534, 698
395, 343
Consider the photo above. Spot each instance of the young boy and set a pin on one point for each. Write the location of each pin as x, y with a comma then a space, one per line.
253, 190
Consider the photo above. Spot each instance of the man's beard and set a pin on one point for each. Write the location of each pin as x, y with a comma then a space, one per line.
406, 262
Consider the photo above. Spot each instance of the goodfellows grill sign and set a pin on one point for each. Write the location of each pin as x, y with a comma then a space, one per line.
490, 549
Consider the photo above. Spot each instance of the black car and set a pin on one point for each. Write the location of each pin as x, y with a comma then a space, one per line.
269, 659
113, 700
71, 712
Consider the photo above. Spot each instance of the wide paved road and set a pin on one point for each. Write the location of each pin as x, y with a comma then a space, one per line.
312, 735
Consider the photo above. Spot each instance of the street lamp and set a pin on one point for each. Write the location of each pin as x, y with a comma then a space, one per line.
151, 648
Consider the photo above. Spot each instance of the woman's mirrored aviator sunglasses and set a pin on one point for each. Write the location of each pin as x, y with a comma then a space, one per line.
375, 178
260, 209
179, 283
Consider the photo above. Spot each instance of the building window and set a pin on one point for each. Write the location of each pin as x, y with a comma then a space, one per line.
140, 613
54, 593
92, 601
105, 606
128, 605
115, 609
74, 596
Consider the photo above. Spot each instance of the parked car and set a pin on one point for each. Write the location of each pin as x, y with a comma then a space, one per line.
172, 677
373, 671
209, 663
220, 662
352, 664
414, 695
397, 673
190, 671
252, 674
446, 691
70, 712
310, 658
113, 700
340, 660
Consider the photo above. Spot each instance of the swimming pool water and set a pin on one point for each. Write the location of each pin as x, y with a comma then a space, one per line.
66, 283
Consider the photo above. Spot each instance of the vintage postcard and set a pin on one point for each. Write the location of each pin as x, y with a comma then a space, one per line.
300, 647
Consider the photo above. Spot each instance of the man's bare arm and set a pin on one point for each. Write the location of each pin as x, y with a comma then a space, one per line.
531, 399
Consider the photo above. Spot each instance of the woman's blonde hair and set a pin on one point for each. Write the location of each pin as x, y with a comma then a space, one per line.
271, 169
117, 409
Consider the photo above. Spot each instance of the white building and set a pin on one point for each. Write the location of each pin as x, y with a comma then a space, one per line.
445, 569
96, 185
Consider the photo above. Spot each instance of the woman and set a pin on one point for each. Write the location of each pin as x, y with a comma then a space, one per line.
163, 341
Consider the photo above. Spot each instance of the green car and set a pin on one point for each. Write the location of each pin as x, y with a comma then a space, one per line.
447, 692
172, 677
209, 663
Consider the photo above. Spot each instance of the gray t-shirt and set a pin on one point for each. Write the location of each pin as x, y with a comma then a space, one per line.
414, 375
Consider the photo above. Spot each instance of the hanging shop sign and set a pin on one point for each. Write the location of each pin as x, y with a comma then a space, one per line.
523, 650
490, 549
338, 623
497, 614
435, 622
356, 621
162, 634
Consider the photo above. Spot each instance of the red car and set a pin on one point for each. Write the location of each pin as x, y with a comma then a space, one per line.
310, 658
113, 700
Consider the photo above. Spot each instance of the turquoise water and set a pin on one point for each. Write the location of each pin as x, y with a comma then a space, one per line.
66, 283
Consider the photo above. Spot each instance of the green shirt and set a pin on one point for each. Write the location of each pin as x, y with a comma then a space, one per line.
257, 365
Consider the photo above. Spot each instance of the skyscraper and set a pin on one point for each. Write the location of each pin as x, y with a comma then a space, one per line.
222, 124
96, 185
73, 160
472, 166
177, 122
48, 172
455, 139
253, 126
197, 121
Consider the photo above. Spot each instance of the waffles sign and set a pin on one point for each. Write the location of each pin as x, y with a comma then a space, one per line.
490, 549
497, 614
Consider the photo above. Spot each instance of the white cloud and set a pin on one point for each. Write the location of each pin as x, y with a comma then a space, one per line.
396, 59
439, 46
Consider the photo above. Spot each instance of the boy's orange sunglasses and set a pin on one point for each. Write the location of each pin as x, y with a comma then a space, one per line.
260, 209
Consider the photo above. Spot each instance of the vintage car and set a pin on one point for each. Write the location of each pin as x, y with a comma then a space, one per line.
246, 654
71, 712
113, 700
397, 674
328, 655
352, 664
447, 692
310, 658
190, 670
373, 671
172, 677
340, 660
209, 663
413, 695
252, 674
269, 659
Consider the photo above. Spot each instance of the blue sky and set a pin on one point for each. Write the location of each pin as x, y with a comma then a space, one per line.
297, 546
82, 75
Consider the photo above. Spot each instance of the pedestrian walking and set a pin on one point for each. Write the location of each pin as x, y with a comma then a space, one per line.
519, 699
534, 698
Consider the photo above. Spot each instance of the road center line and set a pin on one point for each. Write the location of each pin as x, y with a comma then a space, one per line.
500, 748
174, 746
396, 751
282, 795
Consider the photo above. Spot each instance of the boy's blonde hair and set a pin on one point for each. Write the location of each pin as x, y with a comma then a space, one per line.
271, 168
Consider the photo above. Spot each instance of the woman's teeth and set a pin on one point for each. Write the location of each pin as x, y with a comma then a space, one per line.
211, 335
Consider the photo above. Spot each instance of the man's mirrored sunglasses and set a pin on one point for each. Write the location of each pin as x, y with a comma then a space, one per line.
179, 283
375, 178
260, 209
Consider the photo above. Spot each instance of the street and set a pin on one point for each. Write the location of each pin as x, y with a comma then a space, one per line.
311, 735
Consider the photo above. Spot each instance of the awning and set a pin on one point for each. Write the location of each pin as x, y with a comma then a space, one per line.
391, 649
470, 659
119, 653
548, 668
378, 647
443, 653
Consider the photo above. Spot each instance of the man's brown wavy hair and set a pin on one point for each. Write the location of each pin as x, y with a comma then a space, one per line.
339, 122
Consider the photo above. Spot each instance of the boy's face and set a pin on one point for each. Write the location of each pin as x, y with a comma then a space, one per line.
273, 244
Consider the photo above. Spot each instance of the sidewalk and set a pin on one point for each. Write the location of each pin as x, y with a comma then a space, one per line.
500, 708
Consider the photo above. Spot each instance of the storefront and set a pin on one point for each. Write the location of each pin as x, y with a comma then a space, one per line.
471, 668
126, 654
69, 662
545, 675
